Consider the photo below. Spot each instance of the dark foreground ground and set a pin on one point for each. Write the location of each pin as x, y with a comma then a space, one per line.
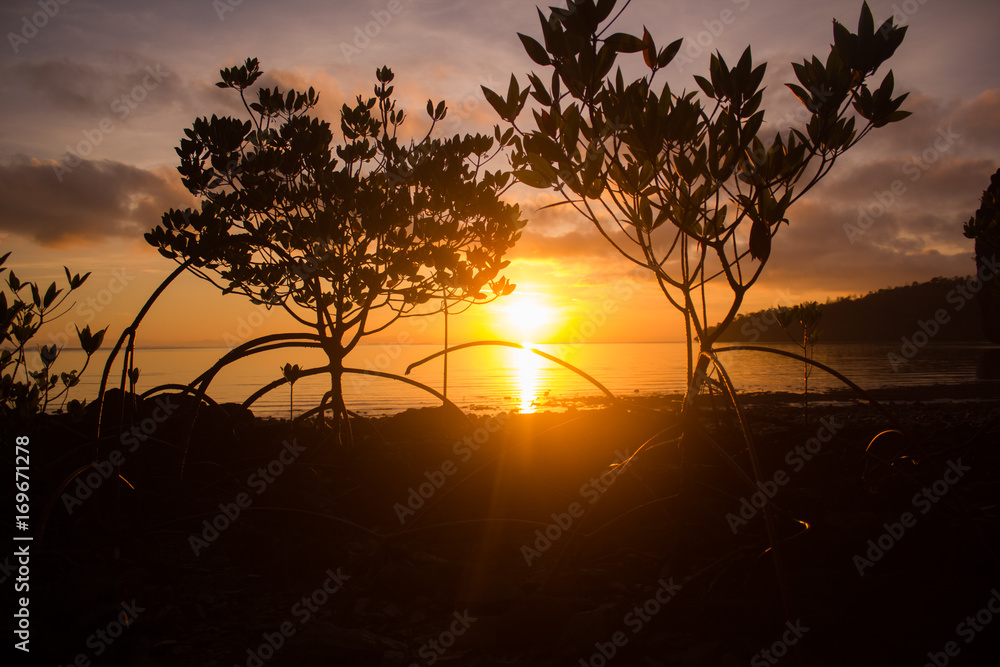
521, 540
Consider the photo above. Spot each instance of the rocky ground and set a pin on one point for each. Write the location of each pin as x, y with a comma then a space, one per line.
590, 537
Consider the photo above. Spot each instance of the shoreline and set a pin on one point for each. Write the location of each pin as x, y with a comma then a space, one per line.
522, 524
986, 392
980, 390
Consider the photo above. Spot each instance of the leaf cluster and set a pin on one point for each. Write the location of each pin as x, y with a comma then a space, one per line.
292, 218
691, 185
26, 387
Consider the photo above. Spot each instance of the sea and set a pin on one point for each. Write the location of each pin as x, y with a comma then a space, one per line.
489, 379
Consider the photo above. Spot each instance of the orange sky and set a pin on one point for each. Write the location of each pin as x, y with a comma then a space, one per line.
117, 85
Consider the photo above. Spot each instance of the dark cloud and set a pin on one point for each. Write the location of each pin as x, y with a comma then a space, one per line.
817, 252
929, 179
56, 204
89, 87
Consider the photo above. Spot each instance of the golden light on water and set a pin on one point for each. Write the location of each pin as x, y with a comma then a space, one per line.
528, 365
527, 317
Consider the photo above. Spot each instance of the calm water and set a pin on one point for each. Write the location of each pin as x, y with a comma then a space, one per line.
493, 379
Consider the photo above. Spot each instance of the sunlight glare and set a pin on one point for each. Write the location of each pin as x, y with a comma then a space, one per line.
528, 317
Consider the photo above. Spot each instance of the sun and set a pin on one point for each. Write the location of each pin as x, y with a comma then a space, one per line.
526, 318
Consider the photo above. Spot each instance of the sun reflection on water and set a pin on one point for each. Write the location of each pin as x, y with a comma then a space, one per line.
528, 366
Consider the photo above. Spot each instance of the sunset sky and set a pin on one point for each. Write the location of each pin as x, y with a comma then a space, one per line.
117, 82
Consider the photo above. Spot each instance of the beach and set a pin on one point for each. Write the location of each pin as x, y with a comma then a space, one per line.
546, 539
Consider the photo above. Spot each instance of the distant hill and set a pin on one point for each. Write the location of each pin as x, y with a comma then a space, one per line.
942, 305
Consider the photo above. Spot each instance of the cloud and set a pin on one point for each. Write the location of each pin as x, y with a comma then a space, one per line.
929, 180
95, 200
980, 117
570, 245
87, 87
814, 253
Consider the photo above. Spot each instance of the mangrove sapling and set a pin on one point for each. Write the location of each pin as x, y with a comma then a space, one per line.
21, 318
807, 316
690, 186
291, 374
346, 238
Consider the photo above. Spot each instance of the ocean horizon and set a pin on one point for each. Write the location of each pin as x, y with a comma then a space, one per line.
500, 379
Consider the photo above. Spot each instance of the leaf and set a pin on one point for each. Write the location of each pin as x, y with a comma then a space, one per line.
538, 91
535, 50
49, 353
803, 96
753, 125
668, 54
649, 54
513, 90
497, 102
866, 23
897, 116
760, 240
90, 342
50, 295
532, 179
604, 9
625, 43
705, 85
291, 372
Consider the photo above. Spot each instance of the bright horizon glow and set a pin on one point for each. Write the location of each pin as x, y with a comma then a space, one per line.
527, 318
